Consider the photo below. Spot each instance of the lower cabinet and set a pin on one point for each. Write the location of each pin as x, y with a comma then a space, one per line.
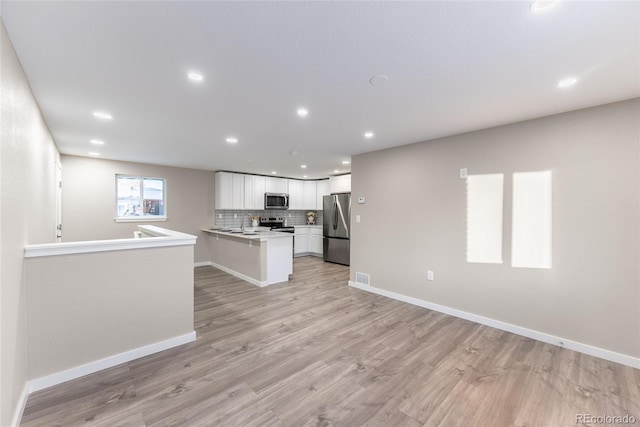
307, 240
315, 240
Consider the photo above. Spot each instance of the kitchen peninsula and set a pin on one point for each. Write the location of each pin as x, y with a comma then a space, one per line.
260, 258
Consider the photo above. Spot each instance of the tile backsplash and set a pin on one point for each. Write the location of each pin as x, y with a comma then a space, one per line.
292, 217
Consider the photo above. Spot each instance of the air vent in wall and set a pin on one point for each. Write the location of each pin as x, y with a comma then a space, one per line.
362, 278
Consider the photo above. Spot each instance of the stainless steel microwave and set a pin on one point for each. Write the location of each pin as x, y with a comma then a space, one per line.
276, 201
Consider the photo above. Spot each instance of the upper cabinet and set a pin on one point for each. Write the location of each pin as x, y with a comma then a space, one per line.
309, 196
340, 183
241, 191
229, 190
322, 189
276, 185
296, 196
254, 189
302, 195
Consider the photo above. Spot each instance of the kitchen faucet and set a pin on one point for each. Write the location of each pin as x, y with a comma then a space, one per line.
242, 220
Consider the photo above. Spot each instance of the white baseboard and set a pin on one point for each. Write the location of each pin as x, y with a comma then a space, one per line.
107, 362
244, 277
201, 264
22, 403
612, 356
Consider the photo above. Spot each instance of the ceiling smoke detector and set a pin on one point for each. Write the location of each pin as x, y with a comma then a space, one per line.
380, 80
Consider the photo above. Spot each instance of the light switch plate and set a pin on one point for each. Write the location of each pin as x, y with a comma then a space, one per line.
357, 218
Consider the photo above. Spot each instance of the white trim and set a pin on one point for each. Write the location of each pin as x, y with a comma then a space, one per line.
244, 277
201, 264
22, 403
161, 237
612, 356
108, 362
301, 254
148, 218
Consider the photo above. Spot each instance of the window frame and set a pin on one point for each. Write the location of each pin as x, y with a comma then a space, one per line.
144, 217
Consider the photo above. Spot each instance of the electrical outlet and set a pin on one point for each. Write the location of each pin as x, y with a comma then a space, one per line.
289, 215
463, 173
357, 218
361, 200
235, 216
429, 274
219, 216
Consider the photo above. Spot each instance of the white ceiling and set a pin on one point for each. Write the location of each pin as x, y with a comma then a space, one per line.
453, 67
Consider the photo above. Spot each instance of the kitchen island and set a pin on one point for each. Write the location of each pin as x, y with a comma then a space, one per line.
262, 258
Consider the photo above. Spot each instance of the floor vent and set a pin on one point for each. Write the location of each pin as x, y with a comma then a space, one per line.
362, 278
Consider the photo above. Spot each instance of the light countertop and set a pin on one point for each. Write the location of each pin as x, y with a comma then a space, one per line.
259, 235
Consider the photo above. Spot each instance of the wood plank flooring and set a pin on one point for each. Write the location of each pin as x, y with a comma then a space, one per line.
314, 352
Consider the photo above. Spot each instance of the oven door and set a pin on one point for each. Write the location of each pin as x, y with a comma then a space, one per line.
276, 201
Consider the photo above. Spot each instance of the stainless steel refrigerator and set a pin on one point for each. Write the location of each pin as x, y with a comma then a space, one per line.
336, 228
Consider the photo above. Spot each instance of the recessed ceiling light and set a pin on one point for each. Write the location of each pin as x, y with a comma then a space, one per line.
368, 134
540, 5
232, 140
303, 166
563, 84
303, 112
97, 142
196, 77
346, 162
94, 153
336, 171
304, 176
273, 172
102, 115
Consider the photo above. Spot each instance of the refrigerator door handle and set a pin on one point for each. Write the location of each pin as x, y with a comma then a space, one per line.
344, 222
335, 212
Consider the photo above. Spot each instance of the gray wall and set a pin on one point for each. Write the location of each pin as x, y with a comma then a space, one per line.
414, 221
89, 200
27, 215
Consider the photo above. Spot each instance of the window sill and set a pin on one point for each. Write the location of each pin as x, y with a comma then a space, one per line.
141, 219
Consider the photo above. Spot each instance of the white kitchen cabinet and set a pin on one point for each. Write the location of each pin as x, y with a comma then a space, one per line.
224, 189
301, 240
276, 185
254, 189
296, 194
237, 190
315, 240
322, 189
229, 190
340, 184
309, 196
307, 240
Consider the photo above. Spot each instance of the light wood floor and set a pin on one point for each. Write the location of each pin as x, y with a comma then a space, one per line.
314, 352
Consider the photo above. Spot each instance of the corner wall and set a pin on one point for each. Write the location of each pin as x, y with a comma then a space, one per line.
28, 157
415, 220
89, 200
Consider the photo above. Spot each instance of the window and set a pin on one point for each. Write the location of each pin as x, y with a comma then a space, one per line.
140, 198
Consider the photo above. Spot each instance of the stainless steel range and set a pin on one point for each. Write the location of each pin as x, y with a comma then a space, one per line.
276, 223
